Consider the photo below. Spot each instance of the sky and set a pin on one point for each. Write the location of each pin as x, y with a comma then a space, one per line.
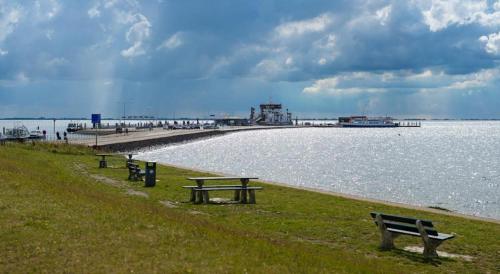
416, 58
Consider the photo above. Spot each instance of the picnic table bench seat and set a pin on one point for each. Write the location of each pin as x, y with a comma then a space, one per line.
392, 226
199, 193
135, 173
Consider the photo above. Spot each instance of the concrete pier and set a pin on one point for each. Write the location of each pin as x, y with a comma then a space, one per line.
159, 136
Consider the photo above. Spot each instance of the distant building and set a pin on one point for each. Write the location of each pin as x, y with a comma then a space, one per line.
272, 115
232, 121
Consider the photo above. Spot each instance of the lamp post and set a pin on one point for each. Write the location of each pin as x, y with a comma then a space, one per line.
54, 133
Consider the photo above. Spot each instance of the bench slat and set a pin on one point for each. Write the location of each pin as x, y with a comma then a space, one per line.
408, 227
221, 178
401, 219
440, 236
226, 188
213, 186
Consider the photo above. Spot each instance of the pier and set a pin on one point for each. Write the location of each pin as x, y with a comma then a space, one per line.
158, 136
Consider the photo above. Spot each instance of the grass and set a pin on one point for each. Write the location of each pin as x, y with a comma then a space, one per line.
60, 213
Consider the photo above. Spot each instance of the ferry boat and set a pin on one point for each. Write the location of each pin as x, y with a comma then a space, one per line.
271, 115
17, 133
21, 133
366, 122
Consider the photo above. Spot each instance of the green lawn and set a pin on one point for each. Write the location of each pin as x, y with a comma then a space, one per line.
60, 213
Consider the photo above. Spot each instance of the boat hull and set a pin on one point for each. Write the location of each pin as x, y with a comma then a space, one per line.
369, 126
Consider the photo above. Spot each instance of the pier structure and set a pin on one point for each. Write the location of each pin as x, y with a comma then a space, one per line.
157, 137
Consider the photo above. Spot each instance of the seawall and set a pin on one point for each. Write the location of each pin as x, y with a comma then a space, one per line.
140, 141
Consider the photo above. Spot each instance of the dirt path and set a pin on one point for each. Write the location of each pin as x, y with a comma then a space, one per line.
111, 182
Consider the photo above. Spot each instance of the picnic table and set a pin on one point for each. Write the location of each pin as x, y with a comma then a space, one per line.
242, 193
102, 162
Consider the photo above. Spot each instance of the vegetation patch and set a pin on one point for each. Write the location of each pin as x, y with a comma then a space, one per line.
60, 213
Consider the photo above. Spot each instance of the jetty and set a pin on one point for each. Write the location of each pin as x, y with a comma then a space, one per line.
157, 136
409, 124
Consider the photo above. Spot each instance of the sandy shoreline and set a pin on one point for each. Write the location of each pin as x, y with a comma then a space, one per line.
353, 197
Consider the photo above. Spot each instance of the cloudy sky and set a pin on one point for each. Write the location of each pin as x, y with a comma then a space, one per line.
425, 58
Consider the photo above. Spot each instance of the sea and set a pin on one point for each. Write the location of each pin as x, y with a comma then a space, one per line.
453, 165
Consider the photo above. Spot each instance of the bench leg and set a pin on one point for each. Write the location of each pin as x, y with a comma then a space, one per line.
430, 245
387, 237
251, 193
199, 197
237, 195
243, 199
388, 240
193, 195
430, 248
103, 164
205, 197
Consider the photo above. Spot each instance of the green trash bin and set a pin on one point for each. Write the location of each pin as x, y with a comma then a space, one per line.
150, 176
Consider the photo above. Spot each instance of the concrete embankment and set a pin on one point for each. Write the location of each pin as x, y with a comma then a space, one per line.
157, 137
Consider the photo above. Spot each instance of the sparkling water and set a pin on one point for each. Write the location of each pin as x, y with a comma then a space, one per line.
453, 165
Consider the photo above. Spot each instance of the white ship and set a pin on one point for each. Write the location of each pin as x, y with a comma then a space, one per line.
271, 115
366, 122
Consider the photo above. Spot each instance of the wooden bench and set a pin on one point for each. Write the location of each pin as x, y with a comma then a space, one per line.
134, 172
199, 193
391, 226
130, 159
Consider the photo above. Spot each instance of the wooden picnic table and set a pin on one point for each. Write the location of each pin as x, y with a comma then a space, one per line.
201, 180
102, 162
240, 194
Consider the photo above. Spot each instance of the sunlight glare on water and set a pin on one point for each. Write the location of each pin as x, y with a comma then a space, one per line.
453, 165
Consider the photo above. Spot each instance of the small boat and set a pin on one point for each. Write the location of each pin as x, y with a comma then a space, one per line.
366, 122
17, 133
37, 135
73, 127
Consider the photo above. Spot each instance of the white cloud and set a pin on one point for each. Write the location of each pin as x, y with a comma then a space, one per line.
439, 14
267, 67
22, 78
347, 83
425, 74
3, 52
8, 22
110, 3
323, 85
491, 43
47, 9
296, 28
94, 11
327, 42
172, 42
426, 81
136, 35
475, 80
58, 61
496, 5
49, 34
383, 14
322, 61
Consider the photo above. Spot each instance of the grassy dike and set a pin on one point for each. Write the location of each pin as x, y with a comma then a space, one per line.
60, 213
